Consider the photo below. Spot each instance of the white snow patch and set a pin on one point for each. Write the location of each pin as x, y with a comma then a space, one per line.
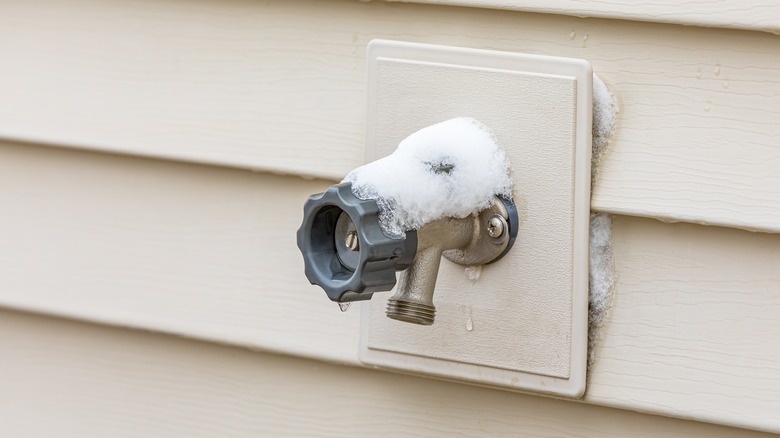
602, 265
601, 278
605, 112
450, 169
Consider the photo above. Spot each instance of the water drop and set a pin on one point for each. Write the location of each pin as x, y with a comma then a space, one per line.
473, 272
469, 324
698, 73
725, 83
585, 41
717, 70
344, 306
572, 36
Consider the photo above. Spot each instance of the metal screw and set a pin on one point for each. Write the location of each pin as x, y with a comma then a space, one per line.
495, 226
351, 240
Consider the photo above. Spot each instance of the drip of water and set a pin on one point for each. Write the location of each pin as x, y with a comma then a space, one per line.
469, 322
473, 272
344, 306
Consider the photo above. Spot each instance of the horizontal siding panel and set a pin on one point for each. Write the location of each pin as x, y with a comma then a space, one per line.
280, 87
209, 253
760, 15
694, 328
193, 250
120, 383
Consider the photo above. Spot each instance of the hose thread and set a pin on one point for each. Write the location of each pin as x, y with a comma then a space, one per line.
408, 311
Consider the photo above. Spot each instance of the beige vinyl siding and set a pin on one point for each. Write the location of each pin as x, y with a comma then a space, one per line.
105, 107
279, 86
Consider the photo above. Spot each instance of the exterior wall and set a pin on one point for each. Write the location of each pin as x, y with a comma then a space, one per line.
253, 90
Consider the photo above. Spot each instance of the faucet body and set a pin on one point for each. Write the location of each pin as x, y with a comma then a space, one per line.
444, 192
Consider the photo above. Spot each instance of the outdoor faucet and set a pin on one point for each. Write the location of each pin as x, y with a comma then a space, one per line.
349, 252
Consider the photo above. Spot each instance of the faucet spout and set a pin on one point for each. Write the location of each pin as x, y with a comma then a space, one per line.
478, 239
413, 300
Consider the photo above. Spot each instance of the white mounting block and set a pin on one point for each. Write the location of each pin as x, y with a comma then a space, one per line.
523, 323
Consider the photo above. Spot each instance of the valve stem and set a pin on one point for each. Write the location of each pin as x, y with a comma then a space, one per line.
351, 240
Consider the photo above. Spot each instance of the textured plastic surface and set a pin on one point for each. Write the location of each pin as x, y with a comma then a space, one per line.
519, 323
379, 256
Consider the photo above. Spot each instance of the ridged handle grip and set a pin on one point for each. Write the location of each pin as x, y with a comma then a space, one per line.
348, 269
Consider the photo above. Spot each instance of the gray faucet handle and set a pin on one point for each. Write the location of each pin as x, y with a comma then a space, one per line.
344, 249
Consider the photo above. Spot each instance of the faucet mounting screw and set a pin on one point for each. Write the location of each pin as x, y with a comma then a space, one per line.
351, 240
496, 226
